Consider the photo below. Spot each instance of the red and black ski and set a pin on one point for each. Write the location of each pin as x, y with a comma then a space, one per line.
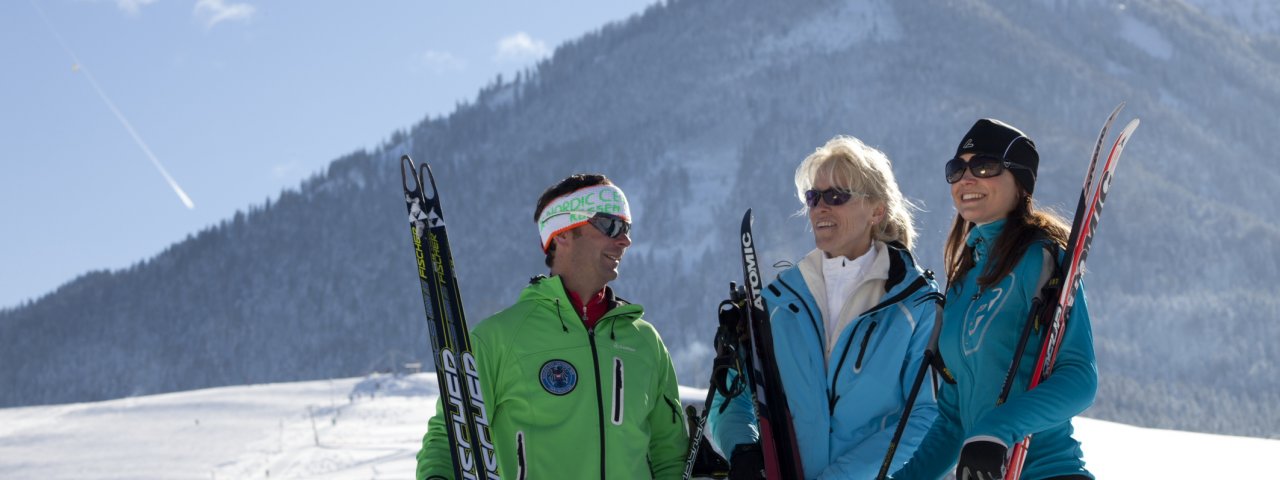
1057, 313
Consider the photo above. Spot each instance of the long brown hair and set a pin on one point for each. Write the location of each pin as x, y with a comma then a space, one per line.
1023, 227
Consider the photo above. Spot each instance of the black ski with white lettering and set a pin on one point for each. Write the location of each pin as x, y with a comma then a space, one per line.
777, 433
744, 346
470, 444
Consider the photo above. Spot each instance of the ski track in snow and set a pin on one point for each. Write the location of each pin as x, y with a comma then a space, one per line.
371, 428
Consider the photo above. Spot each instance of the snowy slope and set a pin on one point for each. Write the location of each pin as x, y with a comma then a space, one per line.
371, 428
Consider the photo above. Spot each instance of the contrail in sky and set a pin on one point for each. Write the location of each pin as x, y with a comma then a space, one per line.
120, 116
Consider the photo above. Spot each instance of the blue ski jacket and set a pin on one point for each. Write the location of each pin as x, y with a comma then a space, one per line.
845, 409
980, 332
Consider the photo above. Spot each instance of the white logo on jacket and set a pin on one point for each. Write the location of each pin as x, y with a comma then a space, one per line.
978, 321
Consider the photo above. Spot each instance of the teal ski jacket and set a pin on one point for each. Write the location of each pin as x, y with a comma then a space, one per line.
980, 332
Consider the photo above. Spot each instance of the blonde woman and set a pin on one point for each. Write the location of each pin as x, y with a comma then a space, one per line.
850, 322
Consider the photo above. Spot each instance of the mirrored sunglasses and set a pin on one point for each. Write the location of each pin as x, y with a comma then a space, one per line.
981, 166
609, 224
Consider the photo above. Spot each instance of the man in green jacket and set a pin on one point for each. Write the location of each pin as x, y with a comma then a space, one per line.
577, 384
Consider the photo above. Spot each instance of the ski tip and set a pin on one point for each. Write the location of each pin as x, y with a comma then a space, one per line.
405, 161
428, 179
747, 218
1128, 129
1126, 133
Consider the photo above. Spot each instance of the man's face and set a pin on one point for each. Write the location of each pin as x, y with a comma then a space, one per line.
591, 255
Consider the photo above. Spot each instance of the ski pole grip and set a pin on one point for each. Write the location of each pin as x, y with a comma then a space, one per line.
736, 294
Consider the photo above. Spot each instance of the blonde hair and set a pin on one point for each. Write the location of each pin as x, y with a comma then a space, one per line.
848, 162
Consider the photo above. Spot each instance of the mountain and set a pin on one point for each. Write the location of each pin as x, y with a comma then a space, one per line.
699, 110
1260, 17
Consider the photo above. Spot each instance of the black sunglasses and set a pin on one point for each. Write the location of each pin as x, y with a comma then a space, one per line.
832, 196
609, 224
981, 166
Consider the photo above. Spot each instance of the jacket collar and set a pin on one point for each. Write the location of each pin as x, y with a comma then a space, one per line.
982, 237
894, 264
811, 269
551, 290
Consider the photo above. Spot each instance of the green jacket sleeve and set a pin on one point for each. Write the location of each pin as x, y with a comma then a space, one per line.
434, 459
668, 439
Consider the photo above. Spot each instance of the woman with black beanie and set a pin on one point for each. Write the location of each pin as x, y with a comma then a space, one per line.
1000, 253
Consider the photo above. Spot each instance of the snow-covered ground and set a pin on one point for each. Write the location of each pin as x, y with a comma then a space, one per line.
370, 428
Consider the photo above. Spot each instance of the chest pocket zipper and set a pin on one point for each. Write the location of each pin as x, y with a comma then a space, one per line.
522, 471
857, 365
618, 392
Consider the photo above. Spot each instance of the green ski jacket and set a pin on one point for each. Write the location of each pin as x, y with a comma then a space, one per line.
567, 402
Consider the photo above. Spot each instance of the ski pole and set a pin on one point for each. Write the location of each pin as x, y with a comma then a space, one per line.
930, 359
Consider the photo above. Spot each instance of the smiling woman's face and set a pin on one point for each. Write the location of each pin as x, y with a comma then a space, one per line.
984, 200
843, 230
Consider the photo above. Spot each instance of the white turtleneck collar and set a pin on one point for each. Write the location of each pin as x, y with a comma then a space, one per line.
842, 277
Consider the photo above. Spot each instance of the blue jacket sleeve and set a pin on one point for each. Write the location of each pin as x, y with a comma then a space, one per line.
940, 447
736, 425
1067, 392
865, 459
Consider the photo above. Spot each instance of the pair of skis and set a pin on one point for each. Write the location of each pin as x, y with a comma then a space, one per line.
1061, 289
745, 325
470, 444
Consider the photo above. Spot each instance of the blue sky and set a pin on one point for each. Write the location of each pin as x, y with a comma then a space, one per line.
112, 107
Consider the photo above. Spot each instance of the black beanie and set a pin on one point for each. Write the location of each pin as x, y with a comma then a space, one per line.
997, 138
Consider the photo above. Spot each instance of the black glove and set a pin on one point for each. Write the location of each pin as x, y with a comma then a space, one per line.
746, 462
981, 460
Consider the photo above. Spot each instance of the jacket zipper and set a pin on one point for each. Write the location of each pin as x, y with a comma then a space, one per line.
832, 398
617, 391
675, 409
522, 471
865, 339
595, 357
